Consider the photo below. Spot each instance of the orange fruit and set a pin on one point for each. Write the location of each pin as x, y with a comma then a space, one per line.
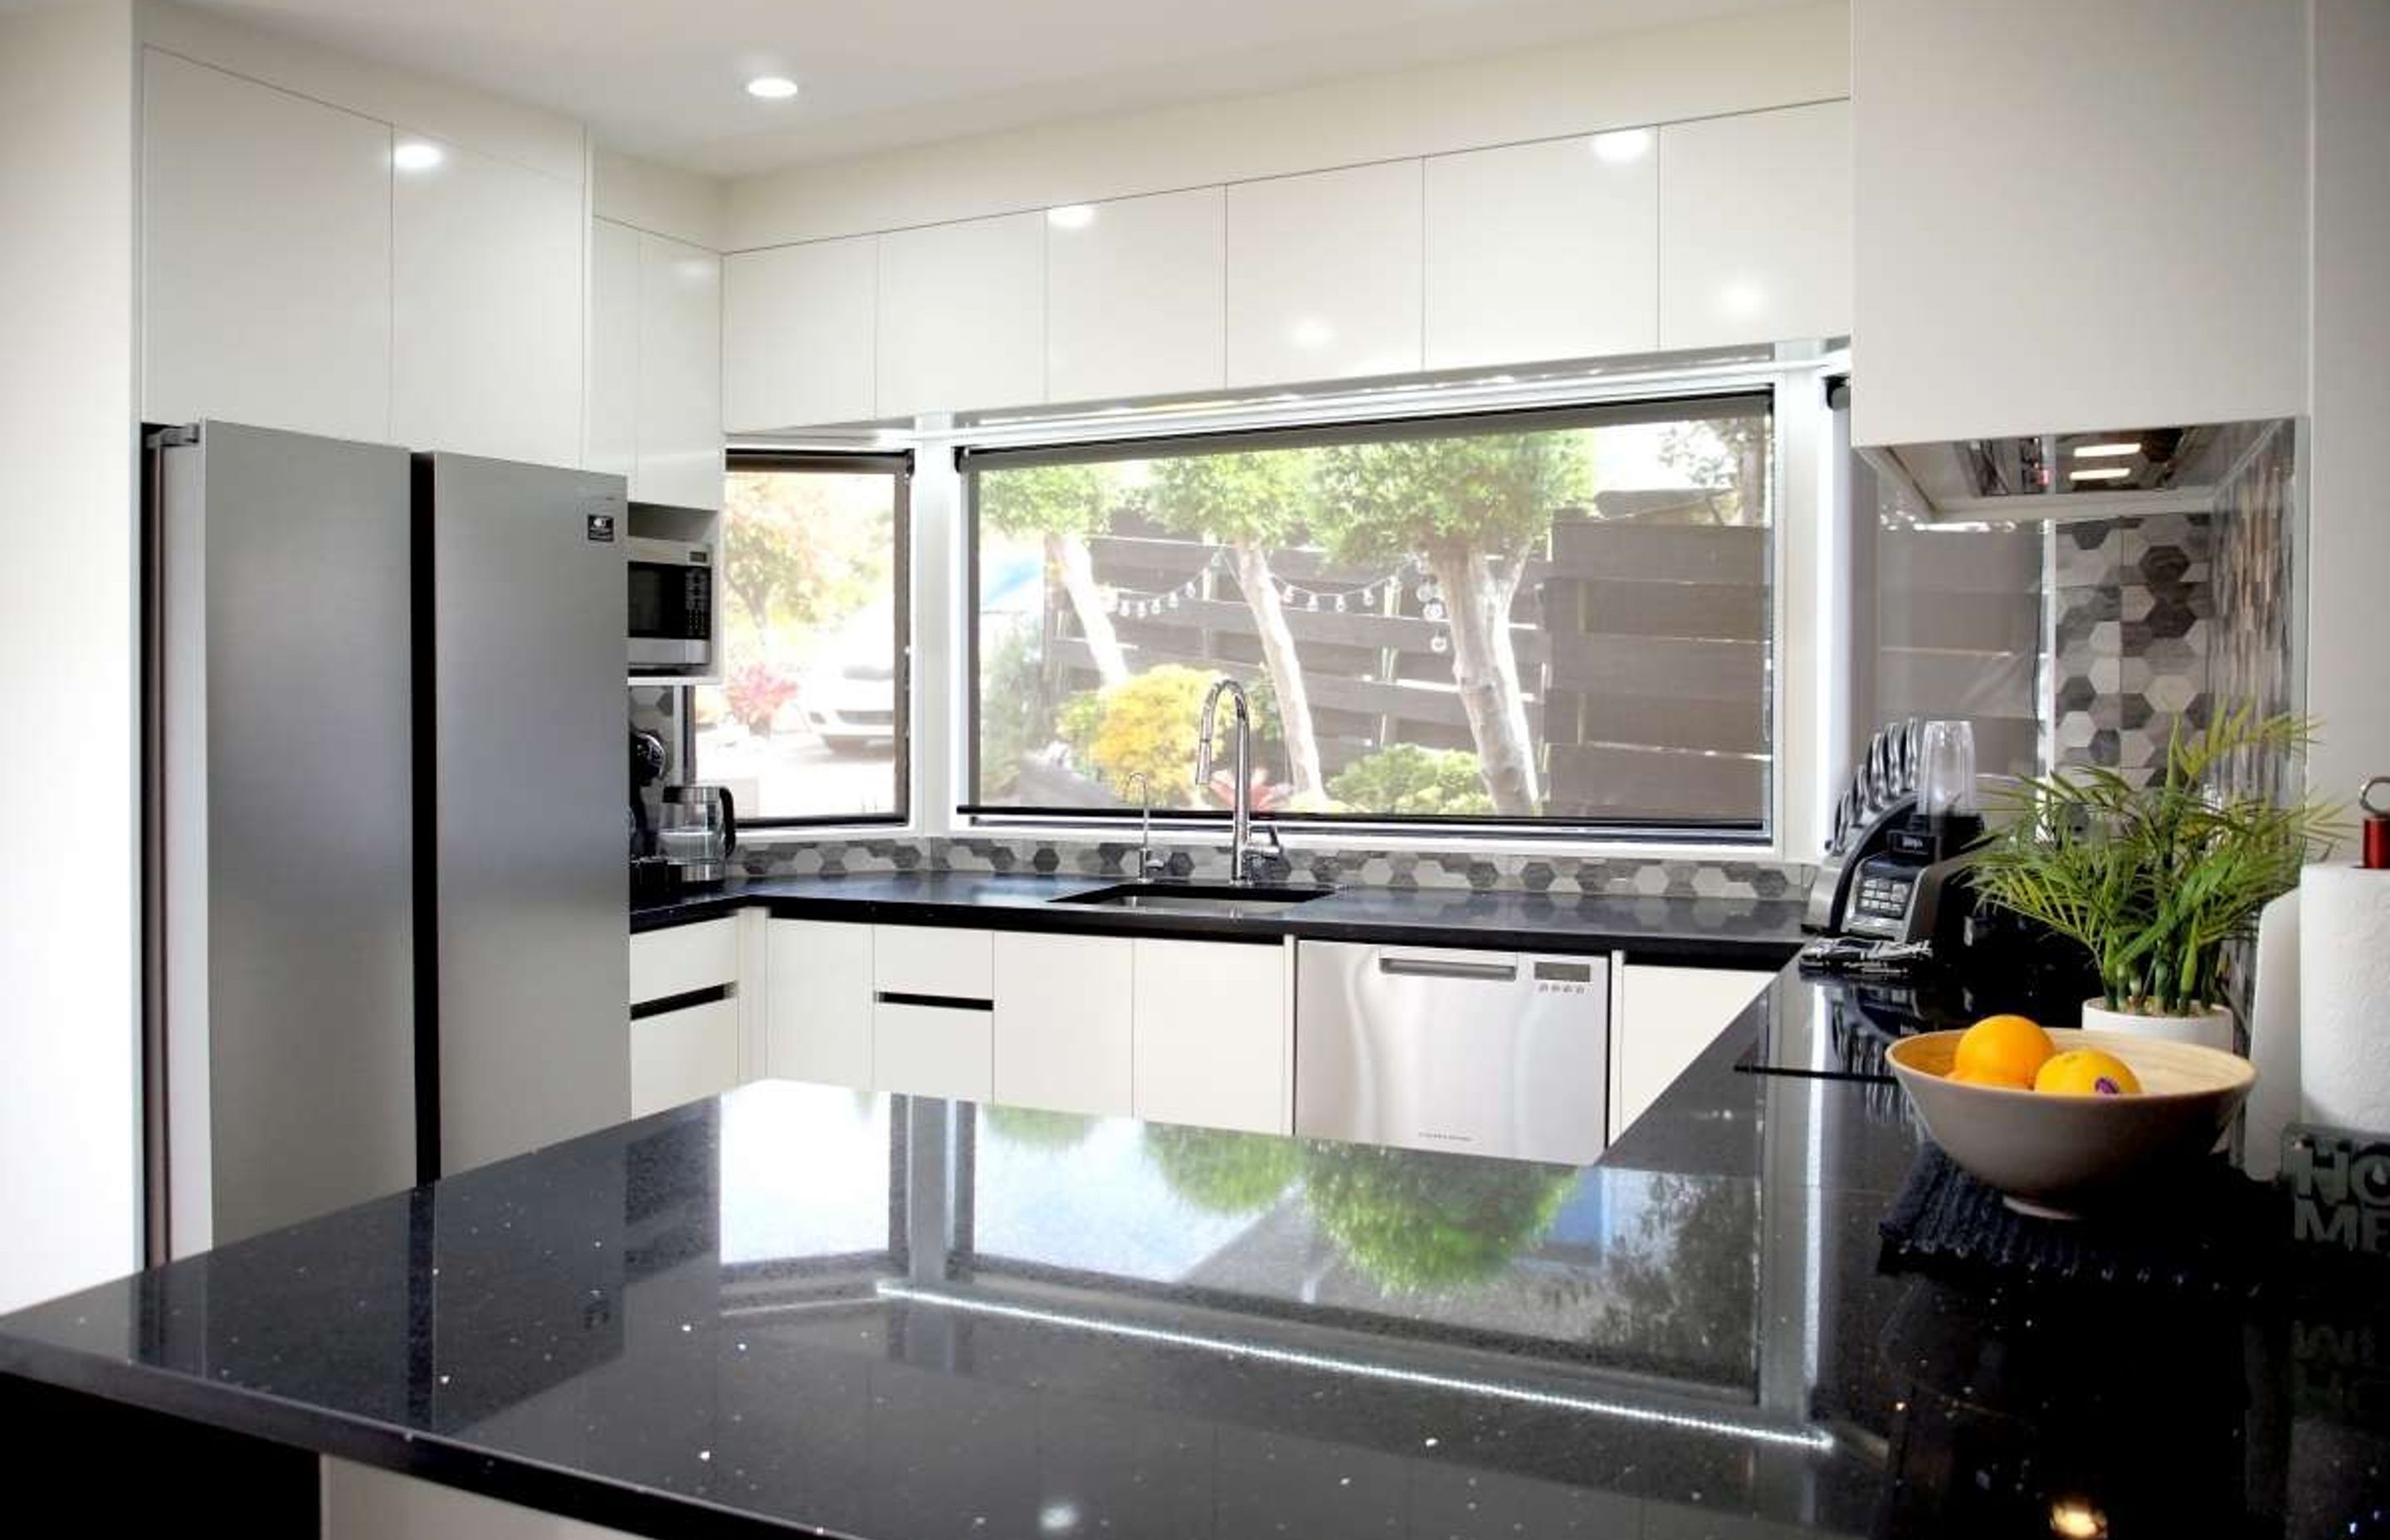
2002, 1050
2086, 1073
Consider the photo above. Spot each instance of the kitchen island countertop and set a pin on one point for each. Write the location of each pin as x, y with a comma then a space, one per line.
798, 1309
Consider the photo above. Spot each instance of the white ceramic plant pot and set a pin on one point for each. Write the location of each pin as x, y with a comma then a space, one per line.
2208, 1029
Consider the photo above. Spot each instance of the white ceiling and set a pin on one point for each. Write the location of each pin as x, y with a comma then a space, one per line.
662, 78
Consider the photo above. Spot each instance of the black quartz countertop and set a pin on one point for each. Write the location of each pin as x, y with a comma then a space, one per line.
900, 1318
1722, 931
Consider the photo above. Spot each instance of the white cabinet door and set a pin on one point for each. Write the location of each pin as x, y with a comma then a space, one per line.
1756, 227
680, 376
1135, 297
266, 267
931, 1050
818, 1016
682, 1055
1544, 251
1324, 274
932, 959
612, 445
485, 306
2009, 190
1213, 1042
1666, 1016
962, 315
799, 330
1062, 1022
682, 959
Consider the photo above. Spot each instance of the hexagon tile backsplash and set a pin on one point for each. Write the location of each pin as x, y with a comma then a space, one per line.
1345, 868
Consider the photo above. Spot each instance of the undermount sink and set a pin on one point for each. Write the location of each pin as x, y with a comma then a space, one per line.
1224, 900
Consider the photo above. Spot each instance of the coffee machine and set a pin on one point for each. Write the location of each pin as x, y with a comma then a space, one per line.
698, 832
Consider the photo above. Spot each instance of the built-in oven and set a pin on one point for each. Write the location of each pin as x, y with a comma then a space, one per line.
672, 606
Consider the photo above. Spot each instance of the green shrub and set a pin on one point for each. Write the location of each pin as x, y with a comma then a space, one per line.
1409, 779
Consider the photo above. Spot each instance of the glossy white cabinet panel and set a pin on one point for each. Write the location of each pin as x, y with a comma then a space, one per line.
931, 1051
2043, 248
1213, 1037
1544, 251
362, 1503
932, 959
680, 376
1325, 275
683, 957
818, 1012
486, 308
682, 1055
799, 334
1136, 296
612, 444
1756, 227
962, 315
265, 256
1666, 1016
1062, 1022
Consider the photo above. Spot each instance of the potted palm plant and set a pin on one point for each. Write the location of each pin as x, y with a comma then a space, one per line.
2159, 882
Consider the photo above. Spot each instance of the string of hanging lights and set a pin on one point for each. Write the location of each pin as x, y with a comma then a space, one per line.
1359, 599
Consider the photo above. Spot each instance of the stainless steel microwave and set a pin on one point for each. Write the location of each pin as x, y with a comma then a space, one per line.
672, 606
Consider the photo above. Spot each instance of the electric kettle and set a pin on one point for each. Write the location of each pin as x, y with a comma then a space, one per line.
696, 833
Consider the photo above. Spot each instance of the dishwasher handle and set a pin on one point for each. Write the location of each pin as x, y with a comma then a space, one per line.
1447, 967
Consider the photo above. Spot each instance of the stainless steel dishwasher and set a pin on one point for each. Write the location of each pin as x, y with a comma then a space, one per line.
1490, 1053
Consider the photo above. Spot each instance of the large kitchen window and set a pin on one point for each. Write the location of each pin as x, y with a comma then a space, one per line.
1556, 620
808, 724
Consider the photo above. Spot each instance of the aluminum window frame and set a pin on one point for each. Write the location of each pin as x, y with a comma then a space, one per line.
1731, 394
897, 464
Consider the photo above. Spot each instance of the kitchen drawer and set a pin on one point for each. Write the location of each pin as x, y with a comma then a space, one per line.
932, 1050
685, 957
929, 959
682, 1055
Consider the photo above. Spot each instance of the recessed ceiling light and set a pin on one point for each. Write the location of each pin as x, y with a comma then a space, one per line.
1071, 216
2100, 473
1626, 144
1742, 298
417, 155
772, 88
1312, 332
2103, 451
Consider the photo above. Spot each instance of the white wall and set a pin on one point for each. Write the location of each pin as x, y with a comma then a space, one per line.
68, 1059
2348, 510
1739, 64
663, 200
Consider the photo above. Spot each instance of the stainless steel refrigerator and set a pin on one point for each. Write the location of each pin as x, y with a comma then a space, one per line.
383, 903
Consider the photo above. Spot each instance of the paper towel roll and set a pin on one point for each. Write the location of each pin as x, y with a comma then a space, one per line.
2273, 1038
2344, 997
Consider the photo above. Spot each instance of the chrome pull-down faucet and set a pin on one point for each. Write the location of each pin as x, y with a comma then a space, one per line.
1242, 857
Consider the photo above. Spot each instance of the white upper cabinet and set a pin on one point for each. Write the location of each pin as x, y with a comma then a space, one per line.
613, 441
265, 256
1325, 275
1544, 251
485, 307
1756, 227
680, 376
962, 315
2078, 217
798, 333
1136, 296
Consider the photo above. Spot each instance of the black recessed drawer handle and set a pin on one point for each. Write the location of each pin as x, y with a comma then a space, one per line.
939, 1001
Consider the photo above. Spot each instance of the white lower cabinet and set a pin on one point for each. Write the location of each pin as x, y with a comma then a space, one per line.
679, 1056
1213, 1044
1666, 1016
931, 1050
818, 1002
1062, 1022
361, 1503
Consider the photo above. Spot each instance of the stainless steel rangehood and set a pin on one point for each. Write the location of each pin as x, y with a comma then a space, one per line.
2097, 473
